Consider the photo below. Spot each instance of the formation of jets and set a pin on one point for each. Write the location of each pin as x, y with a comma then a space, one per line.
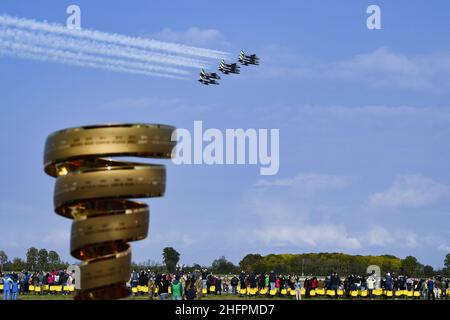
208, 78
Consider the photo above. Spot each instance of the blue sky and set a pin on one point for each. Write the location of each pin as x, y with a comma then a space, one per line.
364, 120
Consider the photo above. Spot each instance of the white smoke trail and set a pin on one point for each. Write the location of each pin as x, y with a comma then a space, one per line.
26, 51
94, 47
113, 38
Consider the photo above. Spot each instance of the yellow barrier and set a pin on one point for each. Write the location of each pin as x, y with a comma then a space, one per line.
320, 292
354, 293
263, 291
273, 292
398, 293
30, 288
283, 291
204, 291
331, 293
377, 292
312, 293
302, 291
389, 293
292, 292
134, 290
340, 292
364, 293
243, 291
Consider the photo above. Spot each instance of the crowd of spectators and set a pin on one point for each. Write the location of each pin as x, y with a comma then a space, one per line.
194, 285
14, 283
202, 282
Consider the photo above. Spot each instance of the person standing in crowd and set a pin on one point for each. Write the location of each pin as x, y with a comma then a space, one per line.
388, 282
272, 280
370, 283
234, 283
430, 288
7, 284
292, 282
15, 288
199, 286
23, 280
219, 285
444, 284
437, 287
298, 288
409, 283
177, 289
134, 279
307, 285
252, 280
205, 275
314, 283
151, 287
190, 290
163, 288
242, 278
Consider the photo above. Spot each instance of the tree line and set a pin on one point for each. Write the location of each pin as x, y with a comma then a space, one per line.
36, 260
301, 264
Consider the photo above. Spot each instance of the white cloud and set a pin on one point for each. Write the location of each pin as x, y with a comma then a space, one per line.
308, 183
194, 36
384, 67
169, 237
378, 236
318, 236
411, 191
444, 247
379, 68
292, 219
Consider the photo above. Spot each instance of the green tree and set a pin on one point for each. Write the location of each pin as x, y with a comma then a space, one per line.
18, 264
428, 271
3, 259
447, 261
223, 266
410, 265
53, 259
170, 258
32, 258
43, 259
249, 261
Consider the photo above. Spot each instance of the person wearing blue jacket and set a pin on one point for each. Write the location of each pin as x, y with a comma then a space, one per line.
7, 288
15, 289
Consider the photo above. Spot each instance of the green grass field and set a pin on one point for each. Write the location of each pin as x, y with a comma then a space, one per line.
145, 297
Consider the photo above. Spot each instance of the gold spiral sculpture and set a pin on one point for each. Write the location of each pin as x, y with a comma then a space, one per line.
94, 191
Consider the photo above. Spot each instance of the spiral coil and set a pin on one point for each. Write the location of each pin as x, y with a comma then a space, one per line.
94, 191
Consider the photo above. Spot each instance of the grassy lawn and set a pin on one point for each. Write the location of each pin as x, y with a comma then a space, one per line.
145, 297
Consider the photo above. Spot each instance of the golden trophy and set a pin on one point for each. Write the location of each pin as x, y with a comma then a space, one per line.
95, 192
